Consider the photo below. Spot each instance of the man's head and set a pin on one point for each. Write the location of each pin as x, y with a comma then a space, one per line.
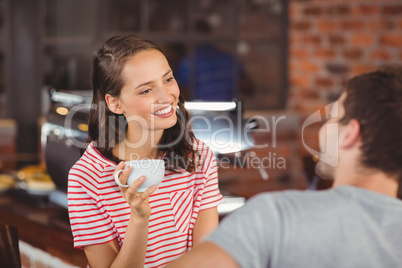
374, 101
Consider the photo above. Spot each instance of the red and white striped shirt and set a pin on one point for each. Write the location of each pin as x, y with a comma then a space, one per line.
98, 213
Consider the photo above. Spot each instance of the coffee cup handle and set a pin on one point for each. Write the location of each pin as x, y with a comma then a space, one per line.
116, 178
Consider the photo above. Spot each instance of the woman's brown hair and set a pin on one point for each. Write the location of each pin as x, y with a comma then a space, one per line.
107, 129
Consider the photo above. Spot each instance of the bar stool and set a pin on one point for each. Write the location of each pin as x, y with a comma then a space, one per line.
9, 248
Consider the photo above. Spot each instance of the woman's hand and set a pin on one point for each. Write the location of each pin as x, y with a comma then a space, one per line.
138, 202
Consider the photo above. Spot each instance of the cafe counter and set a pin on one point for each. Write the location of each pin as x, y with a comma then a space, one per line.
42, 225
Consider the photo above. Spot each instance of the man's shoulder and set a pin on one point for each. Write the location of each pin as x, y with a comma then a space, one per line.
345, 198
301, 200
296, 195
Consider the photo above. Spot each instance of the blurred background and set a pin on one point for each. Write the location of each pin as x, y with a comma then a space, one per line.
50, 43
281, 58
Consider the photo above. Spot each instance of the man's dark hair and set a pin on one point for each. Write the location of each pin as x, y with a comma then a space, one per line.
375, 100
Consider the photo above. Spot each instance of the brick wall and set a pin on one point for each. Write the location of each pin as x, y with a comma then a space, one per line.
331, 41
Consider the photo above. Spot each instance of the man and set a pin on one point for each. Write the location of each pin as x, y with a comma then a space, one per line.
217, 74
357, 223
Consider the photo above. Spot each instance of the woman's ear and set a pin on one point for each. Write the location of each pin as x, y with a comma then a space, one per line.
113, 104
351, 134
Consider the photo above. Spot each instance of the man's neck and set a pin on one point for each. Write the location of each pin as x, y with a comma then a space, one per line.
375, 181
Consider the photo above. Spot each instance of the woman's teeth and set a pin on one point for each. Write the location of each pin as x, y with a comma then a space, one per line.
164, 111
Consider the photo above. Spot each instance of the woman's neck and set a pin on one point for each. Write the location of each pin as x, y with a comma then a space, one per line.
135, 147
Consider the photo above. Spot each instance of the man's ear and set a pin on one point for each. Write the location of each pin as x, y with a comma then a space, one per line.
350, 135
114, 104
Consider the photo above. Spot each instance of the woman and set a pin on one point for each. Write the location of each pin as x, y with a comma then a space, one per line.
137, 113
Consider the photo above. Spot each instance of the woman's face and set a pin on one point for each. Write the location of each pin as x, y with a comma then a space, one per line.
150, 93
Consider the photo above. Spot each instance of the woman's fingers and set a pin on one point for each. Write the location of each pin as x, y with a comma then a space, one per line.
145, 195
134, 187
123, 177
120, 165
139, 201
136, 184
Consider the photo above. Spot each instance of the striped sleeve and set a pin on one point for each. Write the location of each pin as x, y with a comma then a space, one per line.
211, 195
89, 223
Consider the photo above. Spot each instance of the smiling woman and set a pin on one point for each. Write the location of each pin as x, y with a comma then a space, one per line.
138, 113
131, 80
149, 92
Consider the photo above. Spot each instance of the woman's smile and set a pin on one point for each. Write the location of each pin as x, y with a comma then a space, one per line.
150, 91
165, 112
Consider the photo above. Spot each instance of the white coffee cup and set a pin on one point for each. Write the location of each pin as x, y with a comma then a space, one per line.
152, 169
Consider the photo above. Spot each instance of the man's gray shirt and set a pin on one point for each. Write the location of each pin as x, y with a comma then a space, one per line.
341, 227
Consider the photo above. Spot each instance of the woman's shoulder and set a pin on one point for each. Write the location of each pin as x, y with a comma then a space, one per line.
201, 148
93, 160
204, 155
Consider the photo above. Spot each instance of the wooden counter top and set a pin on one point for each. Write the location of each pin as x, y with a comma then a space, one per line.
41, 224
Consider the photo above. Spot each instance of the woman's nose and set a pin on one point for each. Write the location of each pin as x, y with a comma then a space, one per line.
165, 95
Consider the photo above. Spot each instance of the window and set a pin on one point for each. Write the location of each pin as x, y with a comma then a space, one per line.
218, 49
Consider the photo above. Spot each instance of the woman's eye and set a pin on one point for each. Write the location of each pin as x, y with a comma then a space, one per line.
169, 79
146, 91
